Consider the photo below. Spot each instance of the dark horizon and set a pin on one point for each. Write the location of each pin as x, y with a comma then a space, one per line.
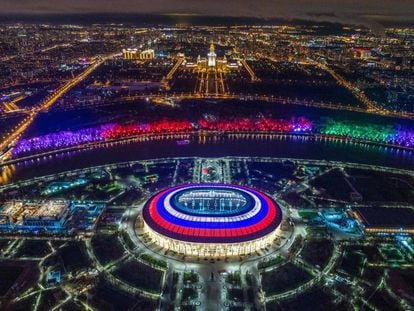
140, 19
363, 12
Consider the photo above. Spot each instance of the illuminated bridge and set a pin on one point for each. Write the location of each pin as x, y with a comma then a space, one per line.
214, 220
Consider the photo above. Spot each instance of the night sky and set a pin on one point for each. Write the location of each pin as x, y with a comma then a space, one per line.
312, 9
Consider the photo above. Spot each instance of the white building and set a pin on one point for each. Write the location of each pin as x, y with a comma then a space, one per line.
137, 54
212, 56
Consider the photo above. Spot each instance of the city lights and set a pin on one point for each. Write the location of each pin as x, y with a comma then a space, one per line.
206, 155
396, 135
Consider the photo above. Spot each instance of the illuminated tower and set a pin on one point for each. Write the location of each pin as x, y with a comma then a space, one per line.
212, 56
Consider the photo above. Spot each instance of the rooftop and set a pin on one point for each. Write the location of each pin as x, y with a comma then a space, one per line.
18, 210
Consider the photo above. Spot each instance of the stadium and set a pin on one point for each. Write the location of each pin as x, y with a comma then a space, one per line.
211, 220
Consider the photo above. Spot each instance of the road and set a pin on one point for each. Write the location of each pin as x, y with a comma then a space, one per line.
267, 98
6, 145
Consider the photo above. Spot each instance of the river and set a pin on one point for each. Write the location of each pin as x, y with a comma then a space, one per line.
301, 148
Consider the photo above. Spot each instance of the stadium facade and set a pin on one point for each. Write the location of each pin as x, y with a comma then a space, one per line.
212, 220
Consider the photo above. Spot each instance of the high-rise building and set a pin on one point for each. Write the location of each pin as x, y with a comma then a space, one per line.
212, 56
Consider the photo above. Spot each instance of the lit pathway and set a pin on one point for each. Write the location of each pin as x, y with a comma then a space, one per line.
57, 94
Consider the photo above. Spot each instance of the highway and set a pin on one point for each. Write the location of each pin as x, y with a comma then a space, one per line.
16, 133
370, 106
11, 138
11, 106
250, 71
265, 98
